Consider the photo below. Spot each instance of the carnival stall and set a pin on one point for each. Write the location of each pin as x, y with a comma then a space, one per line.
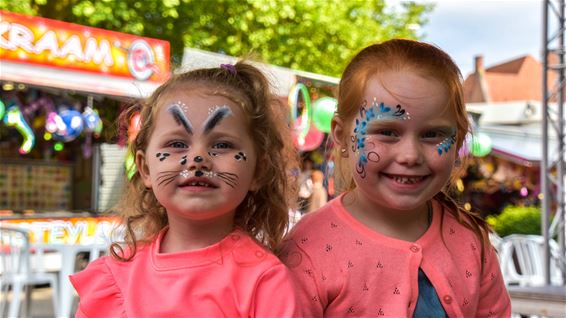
62, 88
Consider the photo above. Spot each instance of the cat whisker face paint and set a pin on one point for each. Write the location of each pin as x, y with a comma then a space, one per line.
230, 179
202, 153
216, 115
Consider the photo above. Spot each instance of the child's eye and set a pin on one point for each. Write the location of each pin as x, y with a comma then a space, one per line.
384, 132
434, 134
223, 145
385, 135
177, 144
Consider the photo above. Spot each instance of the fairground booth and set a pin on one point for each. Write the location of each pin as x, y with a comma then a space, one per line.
62, 87
62, 150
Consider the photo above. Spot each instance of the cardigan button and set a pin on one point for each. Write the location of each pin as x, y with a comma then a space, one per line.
447, 299
415, 249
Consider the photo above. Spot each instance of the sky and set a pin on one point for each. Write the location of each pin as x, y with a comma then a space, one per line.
500, 30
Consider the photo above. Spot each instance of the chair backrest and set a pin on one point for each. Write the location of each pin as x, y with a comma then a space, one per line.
522, 260
14, 252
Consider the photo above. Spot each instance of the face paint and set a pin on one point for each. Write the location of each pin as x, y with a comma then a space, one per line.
198, 159
446, 144
240, 156
228, 178
162, 156
215, 115
178, 111
377, 111
183, 160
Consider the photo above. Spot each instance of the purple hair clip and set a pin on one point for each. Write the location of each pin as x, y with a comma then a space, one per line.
229, 67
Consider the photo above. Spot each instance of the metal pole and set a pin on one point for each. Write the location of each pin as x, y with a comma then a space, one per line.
95, 178
543, 167
560, 163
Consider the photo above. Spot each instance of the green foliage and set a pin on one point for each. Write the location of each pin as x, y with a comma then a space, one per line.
516, 220
313, 35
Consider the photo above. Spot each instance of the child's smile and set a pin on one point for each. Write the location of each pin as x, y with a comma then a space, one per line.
401, 141
200, 158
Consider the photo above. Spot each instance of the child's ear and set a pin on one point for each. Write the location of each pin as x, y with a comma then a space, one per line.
339, 134
143, 169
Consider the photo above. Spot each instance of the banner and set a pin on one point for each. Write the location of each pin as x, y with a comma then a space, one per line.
62, 45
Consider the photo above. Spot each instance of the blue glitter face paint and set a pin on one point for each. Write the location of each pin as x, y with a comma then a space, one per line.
446, 144
377, 111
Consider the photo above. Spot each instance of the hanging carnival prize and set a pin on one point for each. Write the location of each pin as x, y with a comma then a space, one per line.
305, 136
2, 110
133, 129
92, 121
481, 145
69, 125
312, 140
15, 118
466, 146
92, 125
300, 127
323, 111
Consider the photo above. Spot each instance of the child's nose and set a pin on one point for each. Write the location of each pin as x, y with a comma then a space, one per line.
410, 153
199, 162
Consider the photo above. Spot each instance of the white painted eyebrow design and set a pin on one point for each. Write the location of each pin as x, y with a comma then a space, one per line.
216, 114
180, 117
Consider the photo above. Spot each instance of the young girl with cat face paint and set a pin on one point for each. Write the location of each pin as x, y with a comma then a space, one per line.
209, 202
394, 244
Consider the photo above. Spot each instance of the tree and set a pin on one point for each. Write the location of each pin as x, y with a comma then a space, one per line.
313, 35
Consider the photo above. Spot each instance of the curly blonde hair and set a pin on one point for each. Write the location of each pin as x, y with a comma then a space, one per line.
263, 213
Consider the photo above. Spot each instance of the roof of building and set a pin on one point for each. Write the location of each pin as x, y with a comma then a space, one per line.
515, 80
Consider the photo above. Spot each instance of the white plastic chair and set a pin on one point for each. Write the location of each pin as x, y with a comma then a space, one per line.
497, 242
18, 273
522, 260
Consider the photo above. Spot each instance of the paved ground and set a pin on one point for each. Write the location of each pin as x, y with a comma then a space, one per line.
42, 304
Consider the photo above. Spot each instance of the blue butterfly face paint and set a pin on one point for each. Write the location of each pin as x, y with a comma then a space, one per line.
376, 111
446, 144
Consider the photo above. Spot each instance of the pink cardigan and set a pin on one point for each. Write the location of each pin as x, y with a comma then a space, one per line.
345, 269
233, 278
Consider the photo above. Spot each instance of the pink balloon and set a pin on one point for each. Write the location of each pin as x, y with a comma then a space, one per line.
312, 140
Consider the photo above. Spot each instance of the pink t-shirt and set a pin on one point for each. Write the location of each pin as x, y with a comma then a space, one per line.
236, 277
344, 269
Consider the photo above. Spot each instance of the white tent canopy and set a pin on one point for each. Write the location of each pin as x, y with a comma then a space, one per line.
282, 79
515, 129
